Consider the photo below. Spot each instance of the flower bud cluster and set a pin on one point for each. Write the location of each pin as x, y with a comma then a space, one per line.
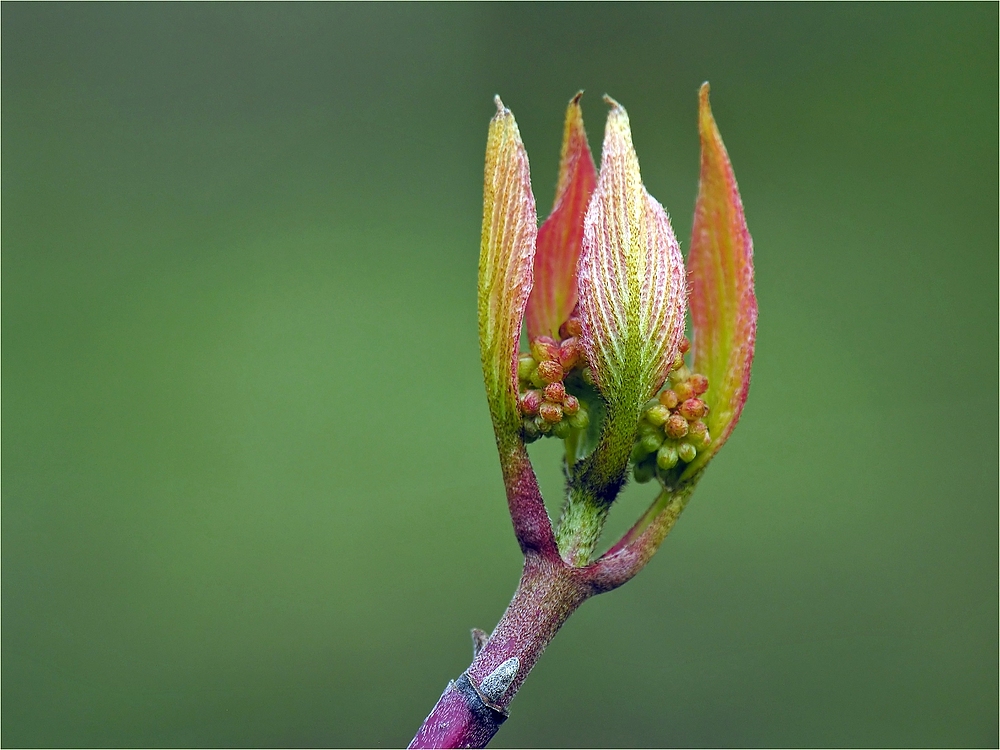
671, 430
547, 408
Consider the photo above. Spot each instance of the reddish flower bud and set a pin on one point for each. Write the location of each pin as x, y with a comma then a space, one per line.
570, 353
571, 328
543, 348
555, 392
676, 427
692, 409
669, 399
570, 404
530, 401
550, 371
699, 383
685, 345
550, 412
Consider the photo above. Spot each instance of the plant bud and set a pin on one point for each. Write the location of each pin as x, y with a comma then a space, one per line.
697, 432
555, 392
658, 415
572, 327
699, 383
652, 441
561, 429
588, 376
530, 401
530, 429
543, 348
685, 345
580, 420
550, 412
570, 353
686, 452
643, 472
550, 371
638, 452
692, 409
570, 404
669, 398
666, 457
683, 390
542, 426
525, 364
676, 427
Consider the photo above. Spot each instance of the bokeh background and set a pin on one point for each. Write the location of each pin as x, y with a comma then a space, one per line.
250, 492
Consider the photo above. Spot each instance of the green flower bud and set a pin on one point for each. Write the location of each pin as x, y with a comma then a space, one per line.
652, 441
684, 390
525, 364
561, 429
666, 457
658, 415
536, 379
580, 420
543, 426
644, 471
530, 430
686, 452
669, 399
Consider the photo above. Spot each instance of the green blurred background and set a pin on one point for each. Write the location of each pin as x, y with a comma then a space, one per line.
250, 492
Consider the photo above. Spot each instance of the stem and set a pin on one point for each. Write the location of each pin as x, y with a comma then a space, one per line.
472, 708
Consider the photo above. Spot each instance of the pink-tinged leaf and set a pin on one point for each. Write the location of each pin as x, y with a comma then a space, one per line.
720, 272
554, 294
631, 279
505, 265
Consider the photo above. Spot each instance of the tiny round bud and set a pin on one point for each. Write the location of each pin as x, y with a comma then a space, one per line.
697, 432
555, 392
685, 345
645, 428
588, 376
580, 420
525, 364
535, 379
570, 353
676, 365
681, 374
643, 472
658, 415
561, 429
530, 401
669, 399
542, 426
676, 427
570, 404
530, 430
544, 348
652, 441
550, 371
683, 390
571, 327
686, 452
638, 452
666, 457
699, 383
692, 409
550, 412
